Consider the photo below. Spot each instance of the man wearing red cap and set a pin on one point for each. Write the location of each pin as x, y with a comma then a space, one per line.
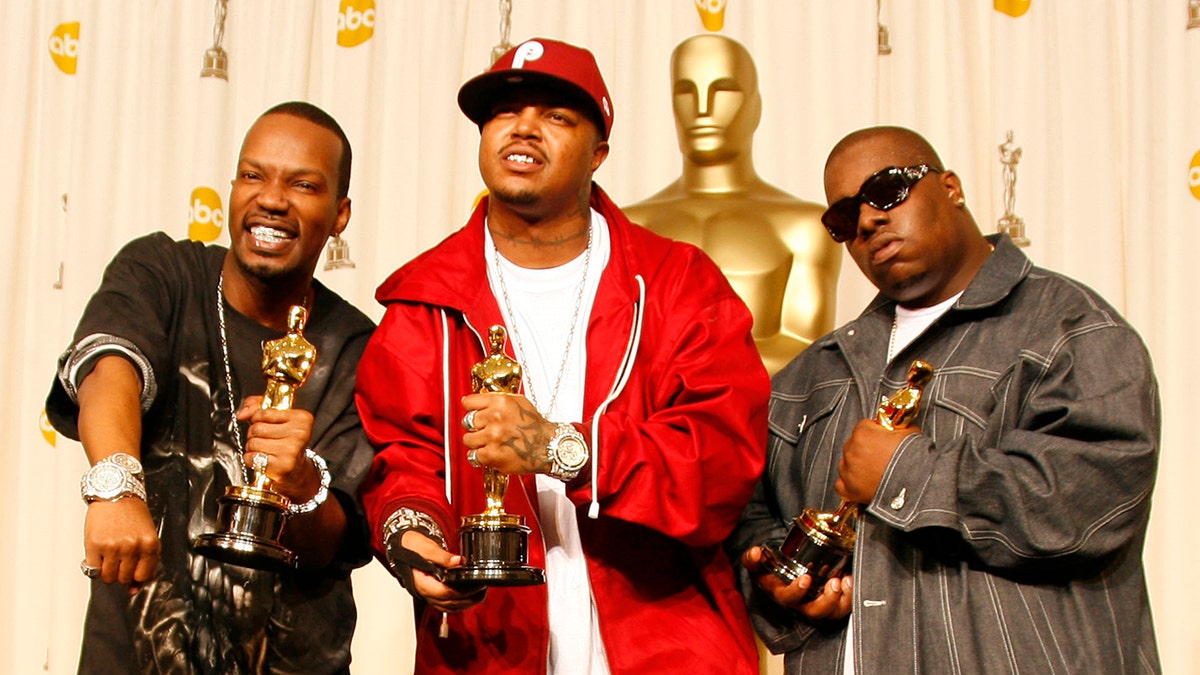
636, 354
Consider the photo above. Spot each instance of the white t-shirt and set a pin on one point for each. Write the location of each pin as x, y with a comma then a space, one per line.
543, 304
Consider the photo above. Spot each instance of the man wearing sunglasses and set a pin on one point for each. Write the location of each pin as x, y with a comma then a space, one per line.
1002, 531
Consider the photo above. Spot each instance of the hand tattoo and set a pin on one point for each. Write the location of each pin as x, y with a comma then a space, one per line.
530, 442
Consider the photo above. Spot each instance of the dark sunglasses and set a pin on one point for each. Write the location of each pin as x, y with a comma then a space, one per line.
884, 190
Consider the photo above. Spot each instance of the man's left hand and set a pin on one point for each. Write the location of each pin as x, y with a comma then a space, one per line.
834, 602
281, 435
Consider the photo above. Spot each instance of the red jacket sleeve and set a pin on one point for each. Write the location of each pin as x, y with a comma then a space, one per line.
399, 395
682, 448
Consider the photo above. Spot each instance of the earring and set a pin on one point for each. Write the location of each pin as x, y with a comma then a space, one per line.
338, 254
961, 201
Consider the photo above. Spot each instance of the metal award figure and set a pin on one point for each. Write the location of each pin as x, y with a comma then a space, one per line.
1010, 223
251, 517
337, 254
820, 543
1193, 14
770, 244
495, 543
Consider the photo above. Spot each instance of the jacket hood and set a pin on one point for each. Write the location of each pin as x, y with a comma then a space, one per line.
452, 274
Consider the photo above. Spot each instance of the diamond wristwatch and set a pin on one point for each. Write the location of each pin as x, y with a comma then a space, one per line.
114, 477
568, 453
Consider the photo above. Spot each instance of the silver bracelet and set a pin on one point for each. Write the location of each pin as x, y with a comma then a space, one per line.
322, 494
405, 518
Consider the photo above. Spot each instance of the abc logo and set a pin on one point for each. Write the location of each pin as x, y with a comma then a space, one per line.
1012, 7
712, 13
64, 46
206, 218
48, 432
355, 22
1194, 175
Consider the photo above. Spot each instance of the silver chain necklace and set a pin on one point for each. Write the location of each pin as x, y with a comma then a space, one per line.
892, 339
562, 368
237, 432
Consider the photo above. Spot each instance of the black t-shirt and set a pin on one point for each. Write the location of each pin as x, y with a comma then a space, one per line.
157, 306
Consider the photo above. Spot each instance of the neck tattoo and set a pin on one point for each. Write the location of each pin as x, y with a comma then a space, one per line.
539, 243
520, 350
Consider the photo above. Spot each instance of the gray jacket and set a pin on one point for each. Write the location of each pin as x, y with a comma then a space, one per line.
1006, 536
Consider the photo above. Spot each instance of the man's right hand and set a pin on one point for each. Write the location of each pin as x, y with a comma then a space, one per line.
120, 538
437, 594
834, 602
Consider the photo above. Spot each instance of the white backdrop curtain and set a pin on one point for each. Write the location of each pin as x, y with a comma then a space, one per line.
108, 131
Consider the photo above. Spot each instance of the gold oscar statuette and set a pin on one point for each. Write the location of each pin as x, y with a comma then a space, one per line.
495, 543
820, 543
251, 517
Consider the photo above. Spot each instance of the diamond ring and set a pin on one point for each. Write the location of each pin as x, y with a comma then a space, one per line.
468, 420
88, 570
471, 458
259, 463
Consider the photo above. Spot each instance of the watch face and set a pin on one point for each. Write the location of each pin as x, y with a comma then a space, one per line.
105, 481
572, 453
127, 461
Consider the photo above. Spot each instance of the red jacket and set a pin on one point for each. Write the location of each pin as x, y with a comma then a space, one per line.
676, 452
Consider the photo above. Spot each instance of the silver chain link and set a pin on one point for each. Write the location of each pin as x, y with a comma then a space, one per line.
520, 350
237, 432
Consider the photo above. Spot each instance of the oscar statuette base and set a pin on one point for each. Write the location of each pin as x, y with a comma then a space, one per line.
496, 548
815, 545
250, 521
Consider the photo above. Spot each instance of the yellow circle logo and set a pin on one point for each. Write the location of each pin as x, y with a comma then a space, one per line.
64, 46
48, 431
1012, 7
712, 13
206, 218
1194, 175
355, 22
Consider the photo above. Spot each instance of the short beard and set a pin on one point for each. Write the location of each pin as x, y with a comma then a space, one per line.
262, 272
515, 198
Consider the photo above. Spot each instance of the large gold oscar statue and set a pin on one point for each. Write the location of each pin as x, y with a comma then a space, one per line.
770, 245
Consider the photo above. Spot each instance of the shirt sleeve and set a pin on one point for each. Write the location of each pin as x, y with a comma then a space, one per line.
1061, 475
128, 316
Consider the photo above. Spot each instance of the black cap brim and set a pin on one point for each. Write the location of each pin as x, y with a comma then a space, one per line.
477, 96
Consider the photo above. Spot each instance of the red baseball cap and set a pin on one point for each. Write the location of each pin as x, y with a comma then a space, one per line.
540, 63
